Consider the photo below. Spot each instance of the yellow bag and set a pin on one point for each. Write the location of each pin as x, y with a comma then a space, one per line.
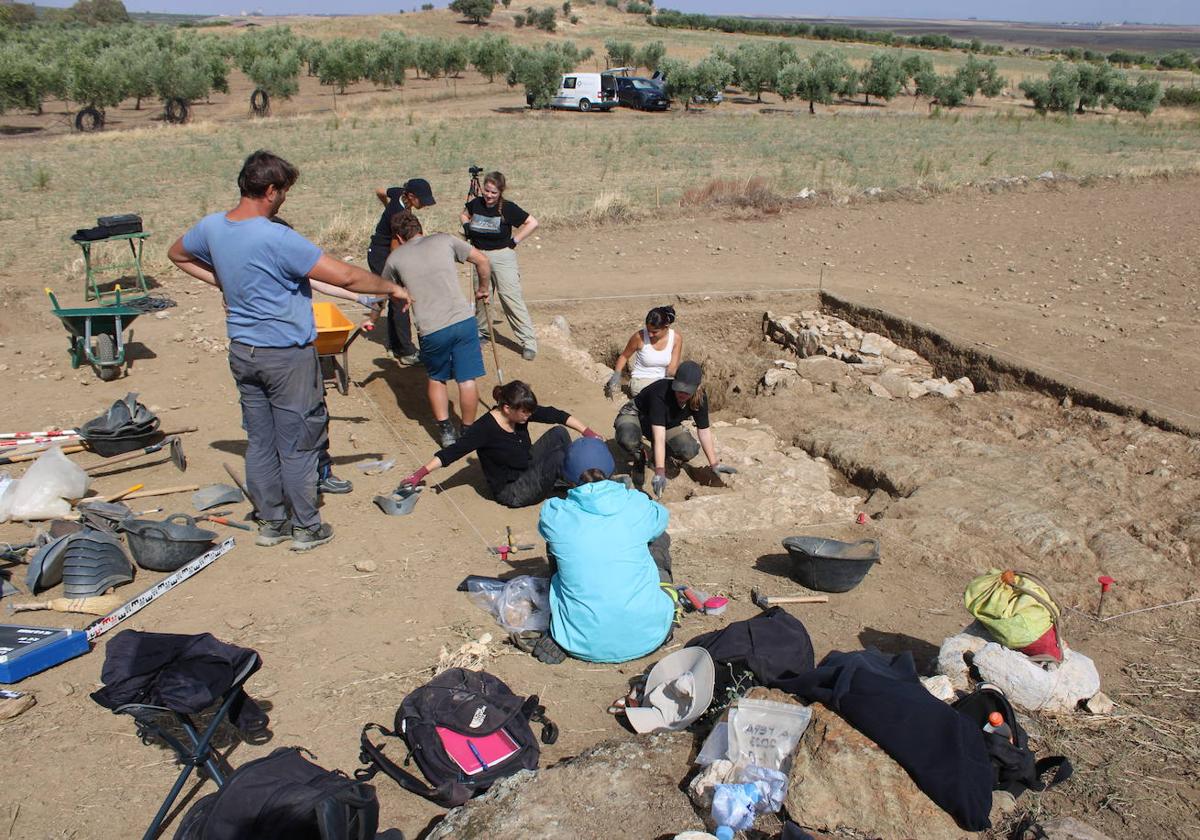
1014, 606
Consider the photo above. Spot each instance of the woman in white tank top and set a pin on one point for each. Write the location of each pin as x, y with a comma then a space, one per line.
654, 352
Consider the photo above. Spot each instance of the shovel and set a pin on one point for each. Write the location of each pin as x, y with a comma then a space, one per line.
71, 449
174, 447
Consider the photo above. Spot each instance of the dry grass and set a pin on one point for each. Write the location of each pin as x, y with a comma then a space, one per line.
753, 193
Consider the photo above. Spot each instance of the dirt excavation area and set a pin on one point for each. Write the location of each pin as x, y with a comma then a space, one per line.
843, 398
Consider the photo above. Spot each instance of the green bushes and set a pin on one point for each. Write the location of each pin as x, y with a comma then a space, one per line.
1182, 97
1070, 88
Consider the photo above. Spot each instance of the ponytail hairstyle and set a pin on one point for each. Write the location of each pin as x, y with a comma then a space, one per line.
697, 399
660, 316
496, 179
591, 476
515, 394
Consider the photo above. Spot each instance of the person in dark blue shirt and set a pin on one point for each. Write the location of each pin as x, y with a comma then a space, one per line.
414, 194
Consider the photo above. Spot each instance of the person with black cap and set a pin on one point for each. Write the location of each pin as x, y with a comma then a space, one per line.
414, 194
610, 551
657, 414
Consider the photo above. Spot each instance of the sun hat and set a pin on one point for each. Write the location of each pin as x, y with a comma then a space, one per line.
587, 454
678, 690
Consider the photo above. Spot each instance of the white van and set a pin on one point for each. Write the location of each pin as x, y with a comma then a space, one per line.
586, 92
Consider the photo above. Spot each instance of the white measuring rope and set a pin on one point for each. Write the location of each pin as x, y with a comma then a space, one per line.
413, 454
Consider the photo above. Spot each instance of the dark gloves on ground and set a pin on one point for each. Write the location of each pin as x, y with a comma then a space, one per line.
415, 479
613, 386
547, 650
659, 483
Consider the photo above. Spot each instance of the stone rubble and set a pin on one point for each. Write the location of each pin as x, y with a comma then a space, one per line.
1027, 685
834, 354
778, 486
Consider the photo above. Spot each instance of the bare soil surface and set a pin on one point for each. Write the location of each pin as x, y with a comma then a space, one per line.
1009, 478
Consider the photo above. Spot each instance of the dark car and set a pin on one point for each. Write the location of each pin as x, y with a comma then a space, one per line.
643, 94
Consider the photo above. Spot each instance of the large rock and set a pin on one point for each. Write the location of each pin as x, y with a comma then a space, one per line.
841, 780
619, 788
1036, 689
822, 369
1028, 685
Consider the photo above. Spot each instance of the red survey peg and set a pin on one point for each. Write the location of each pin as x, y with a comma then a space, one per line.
862, 519
1106, 583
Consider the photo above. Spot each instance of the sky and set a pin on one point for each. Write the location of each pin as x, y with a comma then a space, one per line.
1143, 11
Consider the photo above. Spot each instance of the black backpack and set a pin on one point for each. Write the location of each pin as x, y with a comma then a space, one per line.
1014, 764
470, 703
284, 796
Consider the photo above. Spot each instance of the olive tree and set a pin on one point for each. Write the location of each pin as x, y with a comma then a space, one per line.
883, 77
491, 55
474, 10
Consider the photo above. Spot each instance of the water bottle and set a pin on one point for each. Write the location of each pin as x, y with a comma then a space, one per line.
997, 725
733, 808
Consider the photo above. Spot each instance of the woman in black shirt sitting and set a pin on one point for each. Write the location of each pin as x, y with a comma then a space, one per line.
519, 473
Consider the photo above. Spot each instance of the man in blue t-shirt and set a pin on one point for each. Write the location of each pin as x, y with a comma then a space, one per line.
262, 269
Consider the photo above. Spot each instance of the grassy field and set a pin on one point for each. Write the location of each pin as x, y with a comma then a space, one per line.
560, 165
564, 167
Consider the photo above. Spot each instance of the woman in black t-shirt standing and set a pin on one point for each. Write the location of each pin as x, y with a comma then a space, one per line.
496, 226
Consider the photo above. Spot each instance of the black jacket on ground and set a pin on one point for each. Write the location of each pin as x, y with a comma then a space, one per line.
942, 750
183, 673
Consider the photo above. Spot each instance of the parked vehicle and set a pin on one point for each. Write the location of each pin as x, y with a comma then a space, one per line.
643, 94
584, 92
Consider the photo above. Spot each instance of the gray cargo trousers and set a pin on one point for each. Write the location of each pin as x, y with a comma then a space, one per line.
286, 423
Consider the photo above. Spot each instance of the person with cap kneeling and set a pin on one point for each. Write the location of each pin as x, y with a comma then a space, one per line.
611, 554
657, 413
414, 194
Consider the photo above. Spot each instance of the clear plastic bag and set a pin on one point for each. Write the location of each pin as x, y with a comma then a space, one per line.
765, 733
44, 490
520, 604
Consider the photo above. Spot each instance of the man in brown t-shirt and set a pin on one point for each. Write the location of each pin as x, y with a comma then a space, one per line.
426, 267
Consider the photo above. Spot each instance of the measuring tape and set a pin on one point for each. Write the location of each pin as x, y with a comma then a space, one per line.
103, 625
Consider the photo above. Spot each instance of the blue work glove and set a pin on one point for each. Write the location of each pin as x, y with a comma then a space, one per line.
659, 483
722, 469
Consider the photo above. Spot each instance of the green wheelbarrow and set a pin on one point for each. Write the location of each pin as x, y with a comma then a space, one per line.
97, 334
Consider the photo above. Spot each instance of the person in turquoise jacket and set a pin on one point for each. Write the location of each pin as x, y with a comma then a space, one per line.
612, 553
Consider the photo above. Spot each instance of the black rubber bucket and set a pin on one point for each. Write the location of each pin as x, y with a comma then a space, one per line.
831, 565
167, 545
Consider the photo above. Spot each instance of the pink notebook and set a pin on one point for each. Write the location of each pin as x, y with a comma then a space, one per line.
475, 754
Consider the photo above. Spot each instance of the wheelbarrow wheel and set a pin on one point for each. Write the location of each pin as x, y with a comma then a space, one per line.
341, 378
106, 358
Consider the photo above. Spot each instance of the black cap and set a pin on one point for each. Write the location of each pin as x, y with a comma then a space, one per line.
687, 378
421, 189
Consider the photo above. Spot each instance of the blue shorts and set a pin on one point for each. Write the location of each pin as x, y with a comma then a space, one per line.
453, 352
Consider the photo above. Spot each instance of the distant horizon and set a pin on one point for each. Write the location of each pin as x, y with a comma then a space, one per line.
1070, 12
